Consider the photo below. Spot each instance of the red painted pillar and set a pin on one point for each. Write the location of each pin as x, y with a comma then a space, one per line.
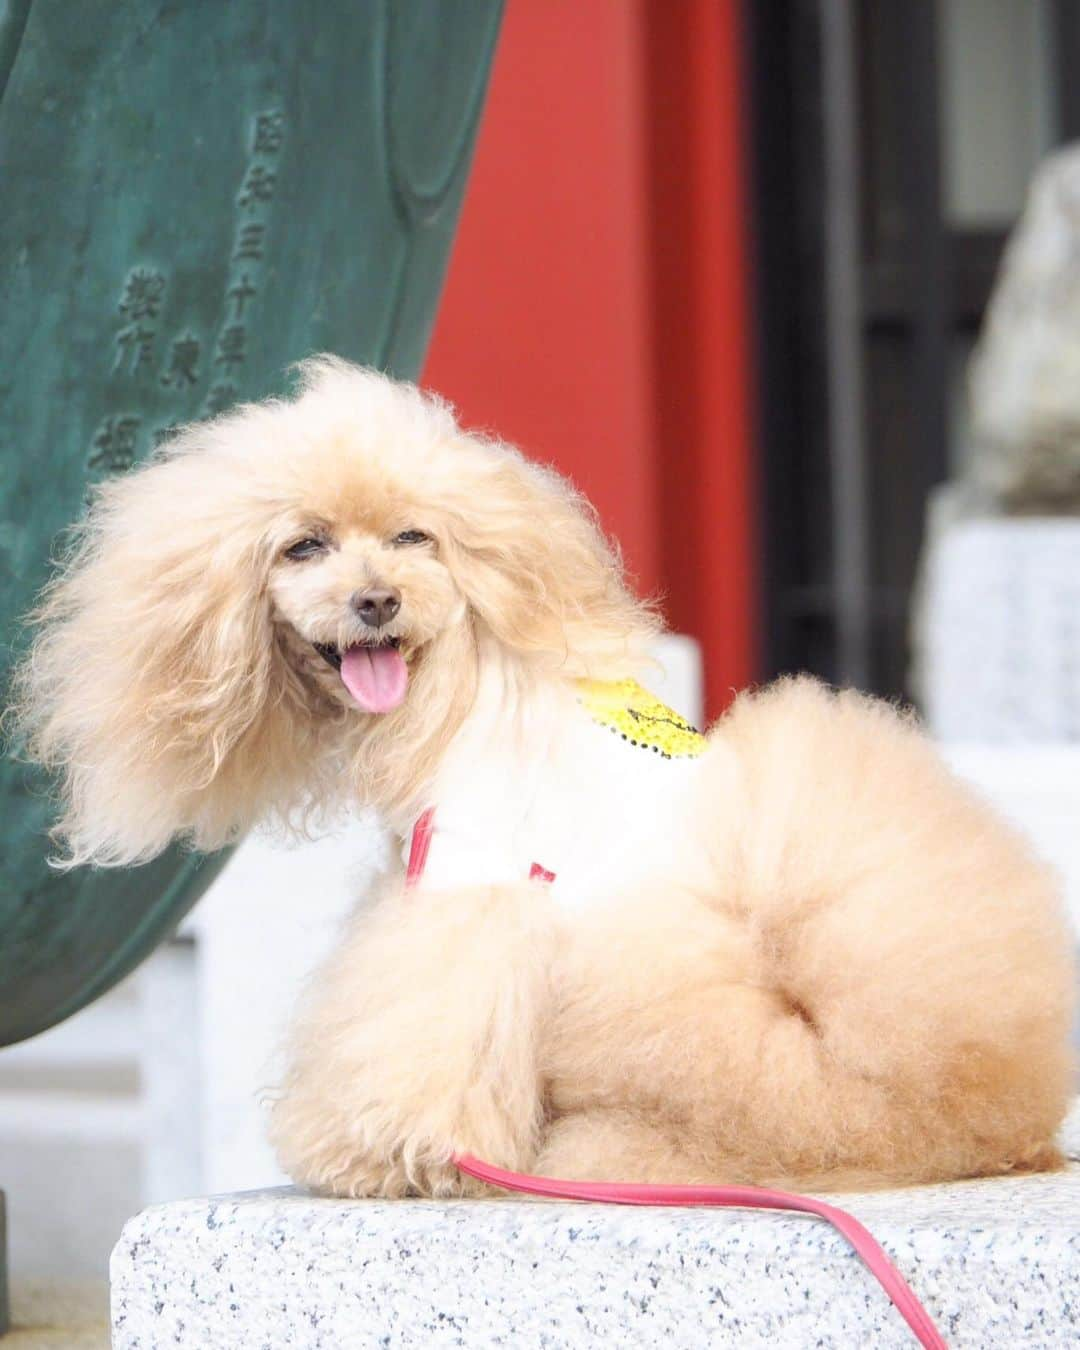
543, 333
596, 307
701, 335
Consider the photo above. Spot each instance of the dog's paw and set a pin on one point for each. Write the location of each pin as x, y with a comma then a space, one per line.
369, 1176
375, 1152
391, 1181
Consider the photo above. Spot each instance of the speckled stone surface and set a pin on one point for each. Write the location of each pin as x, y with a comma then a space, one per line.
996, 1263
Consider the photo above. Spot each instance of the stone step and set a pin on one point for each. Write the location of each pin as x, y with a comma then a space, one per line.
995, 1262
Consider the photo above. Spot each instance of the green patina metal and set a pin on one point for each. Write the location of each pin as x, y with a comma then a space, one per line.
193, 195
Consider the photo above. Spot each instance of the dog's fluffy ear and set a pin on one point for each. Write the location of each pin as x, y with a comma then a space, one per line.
536, 569
154, 686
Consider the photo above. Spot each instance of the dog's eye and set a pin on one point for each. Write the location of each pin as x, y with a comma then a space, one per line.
305, 548
407, 537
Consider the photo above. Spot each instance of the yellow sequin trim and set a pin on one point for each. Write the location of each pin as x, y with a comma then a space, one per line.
632, 713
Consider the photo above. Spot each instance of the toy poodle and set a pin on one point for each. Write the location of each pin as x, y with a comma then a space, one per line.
795, 951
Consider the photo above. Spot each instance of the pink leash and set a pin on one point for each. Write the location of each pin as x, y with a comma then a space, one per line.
634, 1193
749, 1197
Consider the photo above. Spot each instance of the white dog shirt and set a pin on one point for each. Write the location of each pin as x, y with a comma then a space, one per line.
581, 784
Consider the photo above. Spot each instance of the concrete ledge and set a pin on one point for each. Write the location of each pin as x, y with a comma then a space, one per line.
996, 1263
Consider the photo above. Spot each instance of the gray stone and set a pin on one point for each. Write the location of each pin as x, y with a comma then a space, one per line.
1025, 374
996, 1263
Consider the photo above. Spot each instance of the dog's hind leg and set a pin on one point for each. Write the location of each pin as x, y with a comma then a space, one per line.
671, 1057
419, 1039
914, 933
612, 1145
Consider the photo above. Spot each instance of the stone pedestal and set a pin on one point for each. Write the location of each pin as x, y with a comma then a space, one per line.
997, 644
996, 1263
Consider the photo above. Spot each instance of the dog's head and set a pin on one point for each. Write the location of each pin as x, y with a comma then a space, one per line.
297, 589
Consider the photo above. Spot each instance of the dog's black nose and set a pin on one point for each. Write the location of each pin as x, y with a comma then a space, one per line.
377, 606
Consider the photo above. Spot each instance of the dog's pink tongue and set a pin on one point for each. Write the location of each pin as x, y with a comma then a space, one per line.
375, 676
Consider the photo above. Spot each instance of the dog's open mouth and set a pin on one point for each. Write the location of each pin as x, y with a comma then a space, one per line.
374, 673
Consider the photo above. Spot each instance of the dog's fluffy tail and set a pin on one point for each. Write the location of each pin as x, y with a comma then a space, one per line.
917, 947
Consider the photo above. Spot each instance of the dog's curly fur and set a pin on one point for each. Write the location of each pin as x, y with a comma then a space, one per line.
858, 975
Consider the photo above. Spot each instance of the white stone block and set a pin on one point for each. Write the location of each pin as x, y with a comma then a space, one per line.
997, 630
996, 1263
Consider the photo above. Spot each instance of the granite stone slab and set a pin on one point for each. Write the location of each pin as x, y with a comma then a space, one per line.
995, 1262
